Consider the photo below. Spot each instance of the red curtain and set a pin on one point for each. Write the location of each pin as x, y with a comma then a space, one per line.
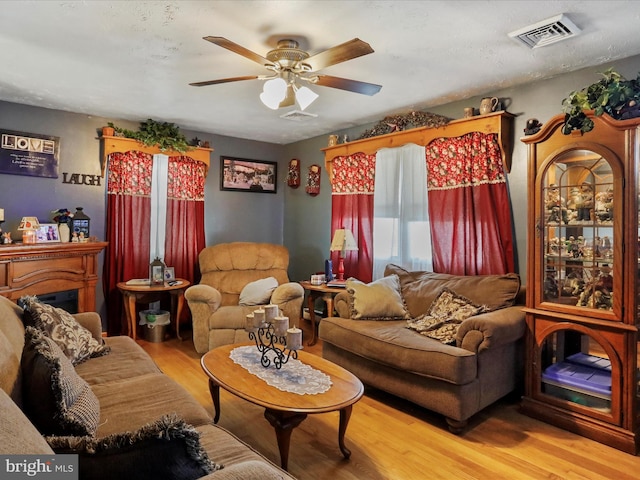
352, 208
128, 223
185, 236
469, 207
127, 230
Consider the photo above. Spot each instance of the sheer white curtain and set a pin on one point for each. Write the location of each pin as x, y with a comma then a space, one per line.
401, 231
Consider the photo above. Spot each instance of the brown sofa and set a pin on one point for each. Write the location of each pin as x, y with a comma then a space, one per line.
132, 393
457, 380
226, 270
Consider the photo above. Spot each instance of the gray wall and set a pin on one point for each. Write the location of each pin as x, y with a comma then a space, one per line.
229, 216
307, 229
291, 217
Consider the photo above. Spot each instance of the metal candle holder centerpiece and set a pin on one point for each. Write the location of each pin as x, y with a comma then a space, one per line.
271, 333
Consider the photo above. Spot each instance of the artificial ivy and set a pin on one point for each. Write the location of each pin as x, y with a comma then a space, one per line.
164, 135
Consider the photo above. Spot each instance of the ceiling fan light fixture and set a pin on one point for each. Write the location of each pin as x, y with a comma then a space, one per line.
273, 92
305, 97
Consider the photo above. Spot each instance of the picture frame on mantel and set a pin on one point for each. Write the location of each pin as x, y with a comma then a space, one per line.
48, 233
245, 175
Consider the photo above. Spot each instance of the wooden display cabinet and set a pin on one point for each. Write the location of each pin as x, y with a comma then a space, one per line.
583, 280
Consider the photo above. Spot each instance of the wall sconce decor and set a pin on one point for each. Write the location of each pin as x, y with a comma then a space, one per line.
293, 175
313, 180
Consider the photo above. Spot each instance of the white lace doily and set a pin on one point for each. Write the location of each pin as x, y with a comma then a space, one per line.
294, 376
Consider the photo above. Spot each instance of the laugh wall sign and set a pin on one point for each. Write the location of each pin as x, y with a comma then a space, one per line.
29, 154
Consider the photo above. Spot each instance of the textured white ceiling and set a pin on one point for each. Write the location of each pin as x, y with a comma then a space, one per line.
134, 59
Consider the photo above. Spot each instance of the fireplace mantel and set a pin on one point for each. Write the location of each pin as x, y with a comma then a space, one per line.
51, 267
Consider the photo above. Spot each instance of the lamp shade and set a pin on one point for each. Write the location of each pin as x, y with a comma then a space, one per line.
343, 241
29, 223
305, 97
274, 92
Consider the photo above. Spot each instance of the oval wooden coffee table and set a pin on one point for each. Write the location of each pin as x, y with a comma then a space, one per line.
284, 410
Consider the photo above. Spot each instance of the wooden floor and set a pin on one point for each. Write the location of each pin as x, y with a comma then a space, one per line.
391, 439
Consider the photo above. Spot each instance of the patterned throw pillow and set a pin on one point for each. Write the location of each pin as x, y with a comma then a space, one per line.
166, 449
74, 340
442, 320
379, 300
56, 399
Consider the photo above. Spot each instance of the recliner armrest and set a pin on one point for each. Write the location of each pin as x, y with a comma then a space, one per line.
287, 292
204, 294
491, 329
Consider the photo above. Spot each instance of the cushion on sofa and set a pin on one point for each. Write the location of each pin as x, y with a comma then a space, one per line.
419, 289
56, 399
18, 436
378, 300
166, 449
258, 292
77, 343
444, 317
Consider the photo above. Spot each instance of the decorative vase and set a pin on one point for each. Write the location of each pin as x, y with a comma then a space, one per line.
65, 232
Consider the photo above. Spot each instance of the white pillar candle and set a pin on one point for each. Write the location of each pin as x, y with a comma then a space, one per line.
281, 325
258, 317
270, 312
1, 214
294, 338
248, 323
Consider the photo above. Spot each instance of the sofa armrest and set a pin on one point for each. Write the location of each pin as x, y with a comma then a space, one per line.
92, 322
287, 292
491, 329
248, 470
203, 301
341, 305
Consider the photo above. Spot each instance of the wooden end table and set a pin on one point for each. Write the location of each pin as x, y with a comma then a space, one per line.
284, 410
132, 294
315, 292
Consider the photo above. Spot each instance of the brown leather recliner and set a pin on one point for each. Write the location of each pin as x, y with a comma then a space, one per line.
226, 269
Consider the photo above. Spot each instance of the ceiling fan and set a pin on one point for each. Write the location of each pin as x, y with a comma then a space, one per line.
289, 63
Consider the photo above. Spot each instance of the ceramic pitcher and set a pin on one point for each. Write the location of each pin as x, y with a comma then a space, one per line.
488, 105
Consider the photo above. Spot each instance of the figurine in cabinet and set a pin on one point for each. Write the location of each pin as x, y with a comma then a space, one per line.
583, 202
555, 205
603, 207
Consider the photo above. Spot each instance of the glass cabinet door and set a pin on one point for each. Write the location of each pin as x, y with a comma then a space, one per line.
577, 234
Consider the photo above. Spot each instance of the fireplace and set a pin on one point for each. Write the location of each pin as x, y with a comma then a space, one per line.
67, 300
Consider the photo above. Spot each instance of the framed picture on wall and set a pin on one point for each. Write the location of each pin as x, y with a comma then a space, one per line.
244, 175
47, 232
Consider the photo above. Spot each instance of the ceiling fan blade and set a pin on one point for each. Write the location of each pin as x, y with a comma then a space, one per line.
235, 48
346, 84
340, 53
224, 80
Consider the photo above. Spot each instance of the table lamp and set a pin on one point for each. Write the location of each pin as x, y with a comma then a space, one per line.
29, 225
342, 241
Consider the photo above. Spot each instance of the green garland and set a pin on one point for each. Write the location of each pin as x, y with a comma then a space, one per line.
398, 123
166, 136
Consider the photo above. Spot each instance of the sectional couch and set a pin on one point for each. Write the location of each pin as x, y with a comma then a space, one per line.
481, 363
146, 425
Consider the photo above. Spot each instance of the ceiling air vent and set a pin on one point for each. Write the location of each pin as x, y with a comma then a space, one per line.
546, 32
297, 115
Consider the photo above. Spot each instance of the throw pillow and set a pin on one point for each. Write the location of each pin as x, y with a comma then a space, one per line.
258, 292
76, 342
56, 399
443, 319
378, 300
166, 449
